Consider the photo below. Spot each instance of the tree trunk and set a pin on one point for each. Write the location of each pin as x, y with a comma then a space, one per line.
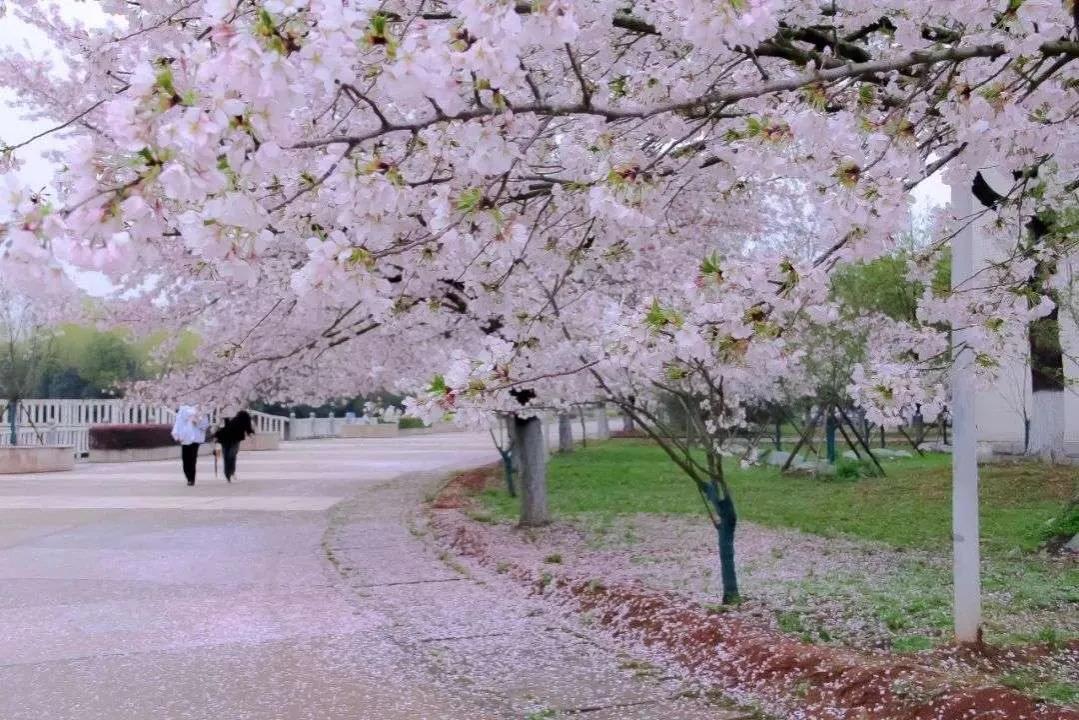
728, 520
13, 420
507, 453
529, 447
507, 472
1046, 436
603, 428
584, 426
1046, 358
627, 422
829, 437
565, 433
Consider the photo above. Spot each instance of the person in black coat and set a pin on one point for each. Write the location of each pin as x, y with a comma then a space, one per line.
230, 435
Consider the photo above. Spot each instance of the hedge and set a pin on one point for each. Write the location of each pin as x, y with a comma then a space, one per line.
129, 437
410, 423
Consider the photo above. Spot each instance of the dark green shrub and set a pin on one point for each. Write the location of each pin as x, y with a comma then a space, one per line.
130, 437
846, 469
1061, 529
410, 423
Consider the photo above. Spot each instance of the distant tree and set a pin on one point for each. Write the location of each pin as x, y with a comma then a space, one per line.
60, 381
882, 286
26, 341
108, 362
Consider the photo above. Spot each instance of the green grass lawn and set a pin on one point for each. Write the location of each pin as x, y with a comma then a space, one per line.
911, 507
1027, 597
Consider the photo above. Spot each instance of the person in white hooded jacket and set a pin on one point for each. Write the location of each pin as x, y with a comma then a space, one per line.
190, 431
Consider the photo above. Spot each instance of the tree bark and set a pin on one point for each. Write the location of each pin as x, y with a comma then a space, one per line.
728, 572
13, 420
507, 453
1046, 435
829, 437
603, 428
530, 449
565, 433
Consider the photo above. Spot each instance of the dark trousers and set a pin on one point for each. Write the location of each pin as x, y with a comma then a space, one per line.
229, 452
190, 455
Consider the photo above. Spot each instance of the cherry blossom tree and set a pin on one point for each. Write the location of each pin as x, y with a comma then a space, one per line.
494, 201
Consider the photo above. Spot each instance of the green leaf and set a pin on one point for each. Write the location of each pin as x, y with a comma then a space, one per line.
848, 173
164, 81
265, 24
675, 372
469, 201
866, 96
712, 265
361, 256
655, 318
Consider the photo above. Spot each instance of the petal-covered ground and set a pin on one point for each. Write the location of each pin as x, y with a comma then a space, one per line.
817, 592
306, 590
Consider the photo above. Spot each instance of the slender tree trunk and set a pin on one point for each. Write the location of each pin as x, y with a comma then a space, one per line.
810, 429
565, 433
529, 447
584, 426
829, 436
864, 441
507, 472
728, 521
507, 453
603, 427
546, 436
627, 422
13, 420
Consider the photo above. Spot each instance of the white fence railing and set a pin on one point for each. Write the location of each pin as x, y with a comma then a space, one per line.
314, 427
53, 422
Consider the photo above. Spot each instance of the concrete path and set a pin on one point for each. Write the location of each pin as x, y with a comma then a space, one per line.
307, 590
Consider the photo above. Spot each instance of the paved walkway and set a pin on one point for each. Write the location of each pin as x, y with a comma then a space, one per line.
307, 590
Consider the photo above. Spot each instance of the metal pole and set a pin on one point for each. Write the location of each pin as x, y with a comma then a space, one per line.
965, 532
